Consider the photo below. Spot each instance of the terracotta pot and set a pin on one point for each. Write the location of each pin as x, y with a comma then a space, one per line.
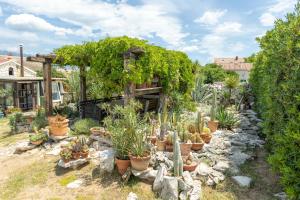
190, 168
169, 147
36, 142
96, 131
76, 155
185, 148
197, 146
140, 163
84, 154
161, 145
213, 125
65, 160
58, 128
122, 165
152, 139
206, 137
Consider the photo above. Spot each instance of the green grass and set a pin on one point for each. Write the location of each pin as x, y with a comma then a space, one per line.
68, 179
34, 174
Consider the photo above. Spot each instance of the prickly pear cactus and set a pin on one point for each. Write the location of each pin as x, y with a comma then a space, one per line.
178, 163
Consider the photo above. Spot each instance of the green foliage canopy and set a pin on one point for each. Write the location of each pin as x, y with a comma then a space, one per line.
275, 80
215, 73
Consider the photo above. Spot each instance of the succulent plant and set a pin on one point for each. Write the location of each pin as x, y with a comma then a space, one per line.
206, 130
82, 140
196, 138
213, 109
184, 135
200, 122
170, 138
177, 159
192, 128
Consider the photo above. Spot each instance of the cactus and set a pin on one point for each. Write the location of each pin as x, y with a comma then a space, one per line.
213, 106
82, 140
163, 121
177, 159
184, 135
170, 139
196, 138
200, 122
206, 130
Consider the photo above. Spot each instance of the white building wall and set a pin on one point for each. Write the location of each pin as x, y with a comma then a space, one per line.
4, 69
244, 75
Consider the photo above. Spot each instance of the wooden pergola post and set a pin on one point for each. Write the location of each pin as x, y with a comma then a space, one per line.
129, 56
47, 61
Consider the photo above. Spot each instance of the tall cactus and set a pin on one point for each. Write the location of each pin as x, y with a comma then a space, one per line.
213, 106
200, 122
164, 120
177, 159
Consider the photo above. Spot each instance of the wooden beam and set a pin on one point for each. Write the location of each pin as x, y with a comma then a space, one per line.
47, 87
82, 76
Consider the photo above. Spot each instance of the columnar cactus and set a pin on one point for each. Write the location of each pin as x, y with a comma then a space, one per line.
164, 121
213, 106
200, 122
177, 159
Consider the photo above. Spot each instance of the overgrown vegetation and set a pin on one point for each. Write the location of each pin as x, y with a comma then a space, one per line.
16, 119
275, 80
226, 119
40, 120
215, 73
83, 126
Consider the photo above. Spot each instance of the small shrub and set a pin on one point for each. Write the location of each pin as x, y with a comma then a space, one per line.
40, 120
83, 126
226, 119
15, 119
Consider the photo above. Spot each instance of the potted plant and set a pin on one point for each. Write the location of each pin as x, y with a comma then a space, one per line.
189, 164
38, 137
206, 135
197, 142
213, 123
66, 154
98, 131
169, 142
184, 135
123, 123
152, 137
163, 118
85, 151
76, 149
58, 125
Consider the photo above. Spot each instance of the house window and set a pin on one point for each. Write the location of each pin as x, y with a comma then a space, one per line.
11, 71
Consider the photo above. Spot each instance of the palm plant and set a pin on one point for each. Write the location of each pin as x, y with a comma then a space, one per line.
231, 83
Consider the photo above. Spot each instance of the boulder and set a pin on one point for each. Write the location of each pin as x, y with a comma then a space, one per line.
242, 181
147, 175
203, 169
157, 185
107, 160
197, 191
221, 166
73, 163
75, 184
187, 178
170, 188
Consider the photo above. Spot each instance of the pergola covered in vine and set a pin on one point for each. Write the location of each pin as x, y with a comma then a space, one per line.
122, 66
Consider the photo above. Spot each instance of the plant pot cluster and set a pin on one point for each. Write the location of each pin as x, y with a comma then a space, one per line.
189, 164
76, 149
38, 137
58, 125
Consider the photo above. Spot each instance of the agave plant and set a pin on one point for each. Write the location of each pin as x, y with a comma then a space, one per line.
226, 119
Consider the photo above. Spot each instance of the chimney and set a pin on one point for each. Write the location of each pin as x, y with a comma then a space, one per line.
236, 58
21, 61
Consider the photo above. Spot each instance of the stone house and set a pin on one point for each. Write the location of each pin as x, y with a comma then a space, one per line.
23, 89
238, 65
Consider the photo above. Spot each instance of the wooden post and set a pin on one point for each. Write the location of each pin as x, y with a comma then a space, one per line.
48, 87
46, 60
82, 88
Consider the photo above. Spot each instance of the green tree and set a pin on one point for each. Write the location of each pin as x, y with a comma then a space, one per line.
275, 81
215, 73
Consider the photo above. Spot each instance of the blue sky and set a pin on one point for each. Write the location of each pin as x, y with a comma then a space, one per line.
204, 29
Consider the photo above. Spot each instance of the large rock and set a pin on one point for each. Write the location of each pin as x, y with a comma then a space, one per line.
157, 185
170, 188
239, 157
73, 163
107, 160
221, 166
242, 181
147, 175
197, 191
203, 169
187, 178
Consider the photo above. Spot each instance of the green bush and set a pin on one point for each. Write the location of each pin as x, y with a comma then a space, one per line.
275, 81
215, 73
40, 120
15, 119
83, 126
226, 119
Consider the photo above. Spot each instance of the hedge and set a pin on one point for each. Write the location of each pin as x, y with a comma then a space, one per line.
275, 80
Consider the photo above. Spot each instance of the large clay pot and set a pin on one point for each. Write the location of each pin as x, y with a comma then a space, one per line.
213, 126
197, 146
140, 163
185, 148
122, 165
161, 145
58, 128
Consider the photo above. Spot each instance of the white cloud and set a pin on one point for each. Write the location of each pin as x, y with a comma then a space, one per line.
189, 48
237, 47
29, 22
282, 6
211, 17
228, 28
267, 19
114, 19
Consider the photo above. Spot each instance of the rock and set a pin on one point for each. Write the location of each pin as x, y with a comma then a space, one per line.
221, 166
183, 186
187, 178
197, 191
281, 196
75, 184
58, 138
210, 182
203, 169
183, 195
148, 175
170, 188
24, 147
239, 157
157, 185
242, 181
107, 160
132, 196
73, 163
